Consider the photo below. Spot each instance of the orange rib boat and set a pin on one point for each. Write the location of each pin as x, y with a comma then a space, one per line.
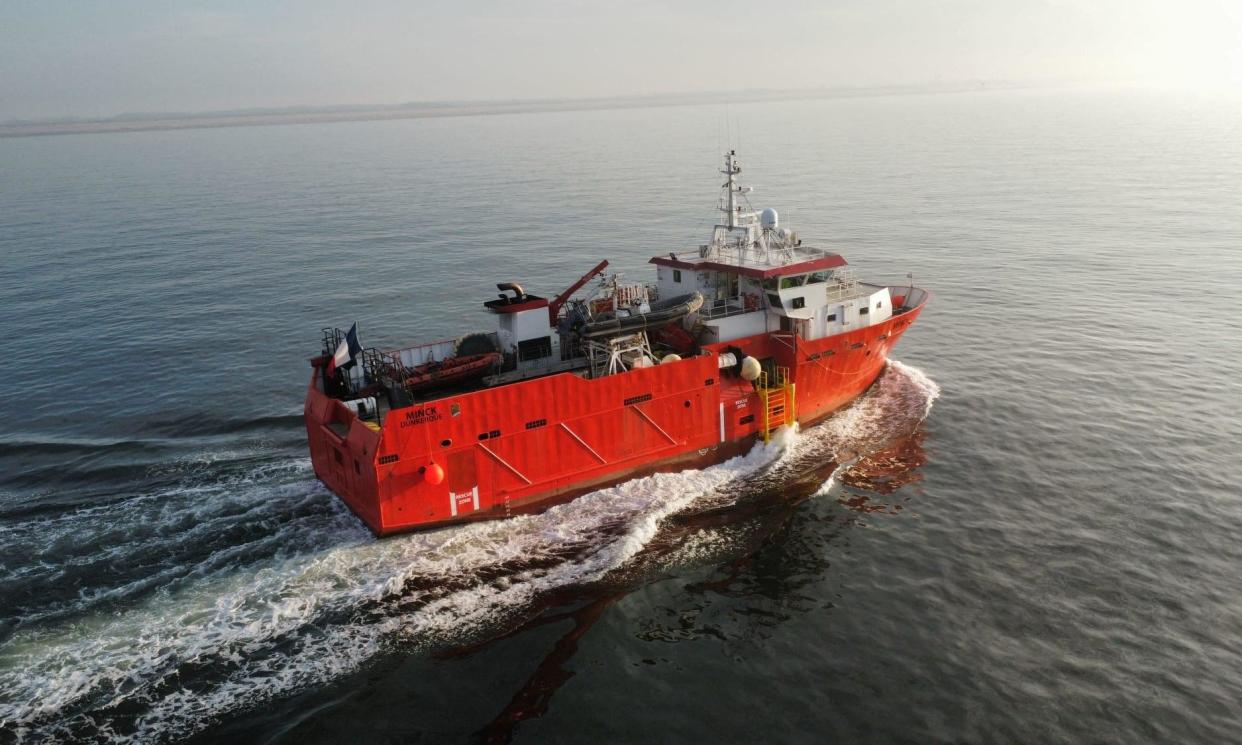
454, 370
745, 334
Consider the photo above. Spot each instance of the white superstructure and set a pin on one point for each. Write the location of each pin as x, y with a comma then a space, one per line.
758, 277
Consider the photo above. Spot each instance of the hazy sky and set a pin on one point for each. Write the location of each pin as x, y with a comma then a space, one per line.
94, 58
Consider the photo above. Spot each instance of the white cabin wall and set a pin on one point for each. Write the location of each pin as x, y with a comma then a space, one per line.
814, 297
834, 319
531, 324
705, 283
665, 284
838, 316
520, 326
849, 315
691, 281
881, 305
739, 326
819, 326
505, 335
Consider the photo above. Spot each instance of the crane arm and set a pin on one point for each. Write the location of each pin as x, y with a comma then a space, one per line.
554, 307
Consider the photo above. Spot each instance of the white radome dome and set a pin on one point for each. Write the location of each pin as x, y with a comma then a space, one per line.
769, 219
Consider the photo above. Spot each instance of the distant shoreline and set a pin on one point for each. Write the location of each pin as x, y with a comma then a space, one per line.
324, 115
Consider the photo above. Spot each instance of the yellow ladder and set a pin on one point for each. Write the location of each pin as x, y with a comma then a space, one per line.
776, 393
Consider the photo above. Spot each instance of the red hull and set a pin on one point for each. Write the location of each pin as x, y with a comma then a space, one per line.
526, 445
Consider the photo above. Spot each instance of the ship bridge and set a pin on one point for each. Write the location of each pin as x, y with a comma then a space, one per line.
758, 277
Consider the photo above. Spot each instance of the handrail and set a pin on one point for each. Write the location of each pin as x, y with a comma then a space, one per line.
779, 336
728, 309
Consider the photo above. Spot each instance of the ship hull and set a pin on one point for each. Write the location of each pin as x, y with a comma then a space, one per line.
525, 446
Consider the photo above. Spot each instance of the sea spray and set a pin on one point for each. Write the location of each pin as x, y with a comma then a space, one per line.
233, 637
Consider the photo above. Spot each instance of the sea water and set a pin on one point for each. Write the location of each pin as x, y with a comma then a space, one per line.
1026, 531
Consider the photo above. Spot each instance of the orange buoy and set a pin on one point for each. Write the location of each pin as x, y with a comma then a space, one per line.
435, 474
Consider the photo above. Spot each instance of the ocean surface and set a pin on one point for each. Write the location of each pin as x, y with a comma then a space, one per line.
1028, 531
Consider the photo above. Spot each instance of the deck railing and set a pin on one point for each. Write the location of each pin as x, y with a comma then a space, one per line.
769, 256
734, 306
845, 287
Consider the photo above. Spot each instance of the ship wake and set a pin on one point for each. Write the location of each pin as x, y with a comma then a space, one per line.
259, 585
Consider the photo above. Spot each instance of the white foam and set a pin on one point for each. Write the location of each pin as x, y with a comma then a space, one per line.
242, 618
328, 606
900, 399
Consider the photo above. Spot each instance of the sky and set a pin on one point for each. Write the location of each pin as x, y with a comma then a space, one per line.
88, 58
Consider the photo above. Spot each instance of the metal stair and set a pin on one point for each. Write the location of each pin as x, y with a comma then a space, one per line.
776, 392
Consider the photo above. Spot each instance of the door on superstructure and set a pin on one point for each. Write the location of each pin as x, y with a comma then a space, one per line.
726, 289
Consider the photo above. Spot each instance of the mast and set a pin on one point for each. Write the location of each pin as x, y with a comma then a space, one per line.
730, 207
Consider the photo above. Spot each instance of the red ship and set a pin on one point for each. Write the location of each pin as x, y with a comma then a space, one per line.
748, 333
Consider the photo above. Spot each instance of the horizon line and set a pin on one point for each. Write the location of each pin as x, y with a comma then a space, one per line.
333, 113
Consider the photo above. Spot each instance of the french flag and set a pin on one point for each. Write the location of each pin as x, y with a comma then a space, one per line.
346, 355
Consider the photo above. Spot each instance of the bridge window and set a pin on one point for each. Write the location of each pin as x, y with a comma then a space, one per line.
818, 277
677, 275
774, 300
798, 302
794, 281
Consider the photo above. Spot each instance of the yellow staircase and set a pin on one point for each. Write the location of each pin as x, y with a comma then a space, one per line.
776, 393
